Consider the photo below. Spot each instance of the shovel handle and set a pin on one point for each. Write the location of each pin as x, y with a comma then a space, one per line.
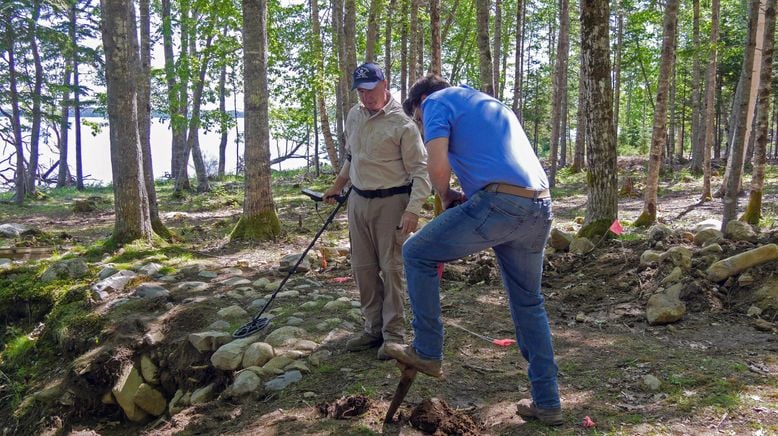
406, 380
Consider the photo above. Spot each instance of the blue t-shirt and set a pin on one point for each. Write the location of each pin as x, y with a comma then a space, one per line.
486, 143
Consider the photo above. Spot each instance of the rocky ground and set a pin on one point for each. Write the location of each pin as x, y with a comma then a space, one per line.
653, 336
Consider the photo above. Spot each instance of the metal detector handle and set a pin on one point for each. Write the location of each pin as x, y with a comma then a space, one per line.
246, 329
319, 196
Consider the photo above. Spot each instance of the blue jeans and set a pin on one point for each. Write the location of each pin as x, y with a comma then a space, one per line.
517, 229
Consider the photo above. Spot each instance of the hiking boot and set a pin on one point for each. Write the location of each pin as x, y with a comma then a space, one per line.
363, 341
381, 355
527, 410
405, 354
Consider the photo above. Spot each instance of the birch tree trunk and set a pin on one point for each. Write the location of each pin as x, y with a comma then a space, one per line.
259, 220
753, 211
484, 54
740, 128
601, 154
710, 103
659, 133
122, 67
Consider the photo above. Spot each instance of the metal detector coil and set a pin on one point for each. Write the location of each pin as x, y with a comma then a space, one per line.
258, 323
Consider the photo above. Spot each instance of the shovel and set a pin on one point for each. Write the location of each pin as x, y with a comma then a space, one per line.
406, 380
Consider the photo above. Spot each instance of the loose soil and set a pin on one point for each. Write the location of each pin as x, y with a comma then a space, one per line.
717, 372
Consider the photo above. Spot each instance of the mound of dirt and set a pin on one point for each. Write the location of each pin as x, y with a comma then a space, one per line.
434, 416
345, 407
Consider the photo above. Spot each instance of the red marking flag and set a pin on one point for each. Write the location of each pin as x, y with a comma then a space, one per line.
616, 227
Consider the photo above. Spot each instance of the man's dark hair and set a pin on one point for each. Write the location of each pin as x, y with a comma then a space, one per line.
424, 86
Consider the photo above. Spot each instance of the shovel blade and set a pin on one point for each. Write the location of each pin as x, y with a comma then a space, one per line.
406, 380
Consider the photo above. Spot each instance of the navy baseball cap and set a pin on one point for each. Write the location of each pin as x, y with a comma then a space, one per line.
367, 76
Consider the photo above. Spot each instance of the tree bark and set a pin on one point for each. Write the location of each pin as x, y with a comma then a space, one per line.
121, 70
737, 147
617, 69
659, 133
318, 65
518, 61
20, 176
484, 54
601, 154
560, 84
35, 132
63, 175
753, 211
259, 220
223, 126
710, 103
497, 48
372, 29
388, 23
435, 42
698, 123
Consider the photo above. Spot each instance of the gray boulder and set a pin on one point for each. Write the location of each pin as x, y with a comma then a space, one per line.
65, 269
559, 240
740, 231
666, 307
12, 230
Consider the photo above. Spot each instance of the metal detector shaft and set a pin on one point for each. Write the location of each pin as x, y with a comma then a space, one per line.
255, 324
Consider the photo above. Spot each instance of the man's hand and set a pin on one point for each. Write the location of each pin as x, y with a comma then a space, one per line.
452, 198
409, 222
331, 194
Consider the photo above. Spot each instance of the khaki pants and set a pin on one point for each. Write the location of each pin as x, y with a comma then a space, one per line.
376, 261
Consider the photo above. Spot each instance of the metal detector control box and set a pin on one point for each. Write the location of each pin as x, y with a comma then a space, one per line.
319, 196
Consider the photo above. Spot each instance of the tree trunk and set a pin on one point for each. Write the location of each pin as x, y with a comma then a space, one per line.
175, 111
580, 126
193, 140
318, 65
390, 14
484, 54
710, 103
35, 132
518, 60
223, 126
617, 70
350, 45
659, 133
77, 102
342, 91
753, 211
63, 174
435, 42
372, 29
601, 154
259, 220
698, 123
121, 70
413, 30
737, 147
187, 41
560, 84
144, 117
404, 54
20, 176
497, 48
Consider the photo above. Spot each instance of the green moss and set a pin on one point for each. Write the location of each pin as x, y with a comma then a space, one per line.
262, 227
595, 229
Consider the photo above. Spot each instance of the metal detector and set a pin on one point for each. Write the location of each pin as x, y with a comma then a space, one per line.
258, 323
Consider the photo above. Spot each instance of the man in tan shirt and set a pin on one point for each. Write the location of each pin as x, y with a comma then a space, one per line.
387, 167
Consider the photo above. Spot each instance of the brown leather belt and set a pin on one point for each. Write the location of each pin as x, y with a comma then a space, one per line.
518, 191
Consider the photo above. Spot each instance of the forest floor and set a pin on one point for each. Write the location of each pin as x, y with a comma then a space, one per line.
716, 369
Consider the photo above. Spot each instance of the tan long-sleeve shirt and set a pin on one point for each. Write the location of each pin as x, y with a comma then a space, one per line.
386, 151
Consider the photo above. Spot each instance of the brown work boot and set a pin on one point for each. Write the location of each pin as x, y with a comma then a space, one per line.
527, 410
407, 355
363, 341
381, 355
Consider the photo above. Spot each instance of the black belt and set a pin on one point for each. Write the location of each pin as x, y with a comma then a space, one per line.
381, 193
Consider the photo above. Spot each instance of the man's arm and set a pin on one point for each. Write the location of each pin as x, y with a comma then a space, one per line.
339, 184
414, 158
439, 169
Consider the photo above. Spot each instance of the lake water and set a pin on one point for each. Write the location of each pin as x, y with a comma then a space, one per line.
96, 151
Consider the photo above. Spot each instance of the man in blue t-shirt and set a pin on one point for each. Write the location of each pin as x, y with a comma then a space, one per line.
506, 205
